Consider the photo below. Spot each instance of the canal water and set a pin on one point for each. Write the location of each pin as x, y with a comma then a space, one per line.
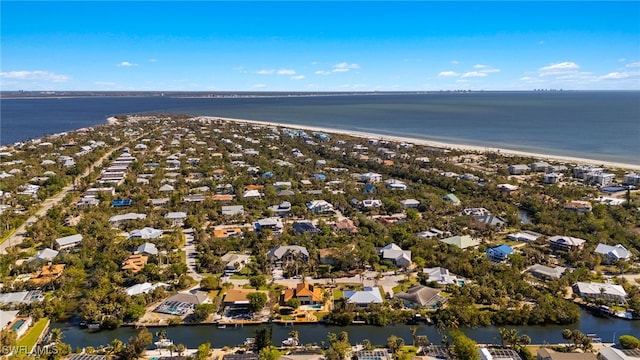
607, 329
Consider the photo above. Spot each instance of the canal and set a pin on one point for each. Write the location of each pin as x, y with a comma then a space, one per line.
607, 329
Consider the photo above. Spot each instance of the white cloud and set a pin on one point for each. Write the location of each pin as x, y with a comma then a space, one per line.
344, 67
286, 72
474, 74
322, 72
479, 66
618, 75
34, 75
126, 64
454, 62
265, 72
153, 60
633, 64
297, 77
485, 68
559, 68
448, 74
314, 63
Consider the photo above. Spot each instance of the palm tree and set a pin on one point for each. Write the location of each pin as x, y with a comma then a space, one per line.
414, 330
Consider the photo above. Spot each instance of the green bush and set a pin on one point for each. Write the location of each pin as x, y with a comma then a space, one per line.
629, 342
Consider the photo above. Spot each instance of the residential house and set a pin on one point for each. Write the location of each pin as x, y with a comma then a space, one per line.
166, 188
539, 166
475, 211
226, 232
566, 243
287, 253
273, 223
252, 194
305, 227
606, 291
431, 233
21, 297
238, 298
546, 272
46, 254
181, 303
320, 207
329, 256
282, 210
578, 205
462, 242
47, 274
374, 354
68, 242
9, 320
369, 189
365, 297
371, 177
410, 203
147, 248
613, 254
234, 262
518, 169
393, 184
121, 202
160, 202
544, 353
525, 235
498, 354
507, 188
116, 220
232, 210
491, 220
421, 296
222, 197
306, 293
370, 203
135, 262
399, 257
452, 199
145, 233
144, 288
282, 185
631, 179
345, 224
552, 178
442, 276
615, 353
177, 217
499, 253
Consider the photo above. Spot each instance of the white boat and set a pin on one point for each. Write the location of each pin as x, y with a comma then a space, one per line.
163, 343
290, 342
249, 341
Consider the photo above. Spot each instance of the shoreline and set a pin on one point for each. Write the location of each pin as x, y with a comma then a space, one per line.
438, 144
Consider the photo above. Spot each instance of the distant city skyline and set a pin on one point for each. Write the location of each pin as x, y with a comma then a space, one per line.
319, 46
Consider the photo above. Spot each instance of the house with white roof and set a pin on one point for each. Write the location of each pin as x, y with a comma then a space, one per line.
566, 243
613, 254
371, 177
176, 217
234, 262
46, 254
525, 235
147, 248
320, 207
546, 272
232, 210
273, 223
145, 233
116, 220
365, 297
442, 276
370, 203
68, 242
606, 291
399, 257
410, 203
252, 194
144, 288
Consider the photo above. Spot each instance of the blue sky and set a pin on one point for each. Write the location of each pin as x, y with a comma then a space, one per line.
319, 46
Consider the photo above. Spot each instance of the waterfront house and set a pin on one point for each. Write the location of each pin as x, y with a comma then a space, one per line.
546, 272
498, 354
552, 178
499, 253
306, 293
631, 179
238, 298
365, 297
606, 291
544, 353
394, 253
68, 242
615, 353
374, 354
463, 242
566, 243
421, 297
613, 254
9, 320
518, 169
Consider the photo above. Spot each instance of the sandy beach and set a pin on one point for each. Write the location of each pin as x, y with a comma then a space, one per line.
441, 145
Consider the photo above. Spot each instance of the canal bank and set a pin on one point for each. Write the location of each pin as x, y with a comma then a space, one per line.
608, 329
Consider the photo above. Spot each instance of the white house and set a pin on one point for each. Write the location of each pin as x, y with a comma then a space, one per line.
605, 291
371, 177
410, 203
613, 253
176, 217
68, 242
399, 257
320, 207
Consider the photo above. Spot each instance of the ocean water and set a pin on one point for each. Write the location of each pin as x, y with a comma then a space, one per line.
596, 125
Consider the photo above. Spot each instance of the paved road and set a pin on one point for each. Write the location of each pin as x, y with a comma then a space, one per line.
19, 235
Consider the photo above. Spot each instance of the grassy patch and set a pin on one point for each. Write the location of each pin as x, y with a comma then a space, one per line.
338, 294
239, 277
31, 337
321, 314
